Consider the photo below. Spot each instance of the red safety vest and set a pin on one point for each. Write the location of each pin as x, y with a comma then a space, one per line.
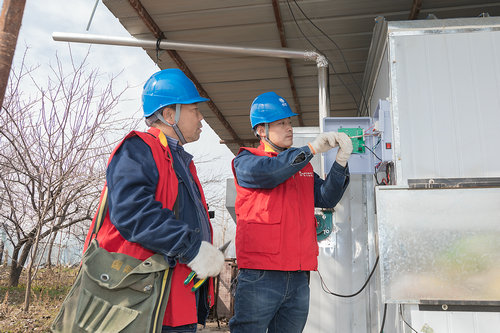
181, 307
276, 228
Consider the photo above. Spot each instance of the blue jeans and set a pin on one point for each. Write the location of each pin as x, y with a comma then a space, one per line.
191, 328
275, 301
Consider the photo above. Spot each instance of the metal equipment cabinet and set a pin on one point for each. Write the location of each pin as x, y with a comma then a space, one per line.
436, 227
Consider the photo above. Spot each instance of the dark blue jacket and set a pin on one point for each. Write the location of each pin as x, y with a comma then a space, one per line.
268, 172
132, 177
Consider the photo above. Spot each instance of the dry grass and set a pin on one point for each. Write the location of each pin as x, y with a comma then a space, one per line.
49, 289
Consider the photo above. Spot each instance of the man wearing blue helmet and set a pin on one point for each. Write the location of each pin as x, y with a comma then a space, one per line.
156, 203
276, 192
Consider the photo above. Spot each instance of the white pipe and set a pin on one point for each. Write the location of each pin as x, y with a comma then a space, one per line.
324, 104
321, 61
323, 95
186, 46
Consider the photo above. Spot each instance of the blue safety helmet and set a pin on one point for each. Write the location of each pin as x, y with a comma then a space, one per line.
269, 107
167, 87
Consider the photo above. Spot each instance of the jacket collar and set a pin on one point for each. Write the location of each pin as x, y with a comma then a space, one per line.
157, 133
264, 146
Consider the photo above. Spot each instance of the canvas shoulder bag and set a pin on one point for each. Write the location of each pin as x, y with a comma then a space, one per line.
114, 292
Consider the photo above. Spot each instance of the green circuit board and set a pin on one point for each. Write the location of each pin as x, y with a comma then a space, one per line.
357, 138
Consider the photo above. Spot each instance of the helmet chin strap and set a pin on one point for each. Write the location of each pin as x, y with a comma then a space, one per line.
174, 125
275, 147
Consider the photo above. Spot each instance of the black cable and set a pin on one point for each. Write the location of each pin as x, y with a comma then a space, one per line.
328, 291
329, 61
383, 318
341, 54
373, 153
402, 318
298, 26
158, 41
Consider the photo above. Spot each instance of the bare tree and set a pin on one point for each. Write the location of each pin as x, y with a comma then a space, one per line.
213, 181
54, 144
1, 251
10, 23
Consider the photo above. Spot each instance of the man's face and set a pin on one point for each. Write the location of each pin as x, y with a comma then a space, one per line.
189, 121
280, 132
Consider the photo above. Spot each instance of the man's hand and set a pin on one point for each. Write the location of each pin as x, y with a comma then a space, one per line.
323, 142
208, 261
345, 149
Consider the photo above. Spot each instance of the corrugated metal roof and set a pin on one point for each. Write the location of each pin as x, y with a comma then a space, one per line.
232, 82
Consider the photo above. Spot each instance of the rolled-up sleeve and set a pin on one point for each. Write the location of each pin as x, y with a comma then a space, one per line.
132, 178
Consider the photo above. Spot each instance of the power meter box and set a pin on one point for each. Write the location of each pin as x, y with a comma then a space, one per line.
361, 161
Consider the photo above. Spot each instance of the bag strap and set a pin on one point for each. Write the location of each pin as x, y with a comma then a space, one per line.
101, 214
103, 210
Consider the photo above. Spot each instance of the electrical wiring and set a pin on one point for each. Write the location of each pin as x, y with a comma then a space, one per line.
341, 54
387, 179
374, 132
328, 291
329, 61
383, 318
388, 172
367, 134
369, 128
375, 176
403, 319
377, 144
370, 131
373, 153
379, 164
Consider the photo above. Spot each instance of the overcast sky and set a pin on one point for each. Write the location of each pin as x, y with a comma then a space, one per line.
42, 18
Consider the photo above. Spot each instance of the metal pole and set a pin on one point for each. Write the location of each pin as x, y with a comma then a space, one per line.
186, 46
321, 61
323, 102
323, 93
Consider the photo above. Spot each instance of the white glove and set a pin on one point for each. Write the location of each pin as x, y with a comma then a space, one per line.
345, 149
323, 142
208, 261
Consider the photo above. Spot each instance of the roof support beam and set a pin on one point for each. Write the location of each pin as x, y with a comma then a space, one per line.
281, 30
251, 142
415, 9
155, 29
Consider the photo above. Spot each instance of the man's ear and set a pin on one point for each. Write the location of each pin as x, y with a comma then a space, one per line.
261, 131
169, 115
